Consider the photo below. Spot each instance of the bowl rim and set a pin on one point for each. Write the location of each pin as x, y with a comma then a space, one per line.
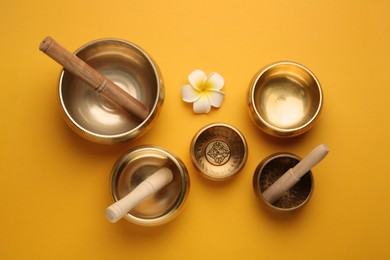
279, 131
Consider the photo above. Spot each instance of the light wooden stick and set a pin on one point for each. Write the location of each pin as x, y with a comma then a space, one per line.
293, 175
93, 78
145, 189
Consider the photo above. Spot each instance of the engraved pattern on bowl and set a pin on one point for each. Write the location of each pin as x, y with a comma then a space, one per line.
218, 151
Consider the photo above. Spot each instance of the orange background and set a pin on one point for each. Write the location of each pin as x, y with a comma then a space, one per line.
55, 184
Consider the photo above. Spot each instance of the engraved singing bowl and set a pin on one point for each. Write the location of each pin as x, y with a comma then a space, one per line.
218, 151
285, 99
93, 116
272, 168
138, 164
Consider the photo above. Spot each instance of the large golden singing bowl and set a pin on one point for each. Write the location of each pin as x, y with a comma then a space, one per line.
285, 99
219, 151
93, 116
138, 164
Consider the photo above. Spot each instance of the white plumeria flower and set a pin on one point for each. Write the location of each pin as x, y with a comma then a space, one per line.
203, 91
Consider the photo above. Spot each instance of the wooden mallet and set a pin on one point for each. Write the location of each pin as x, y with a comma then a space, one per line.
93, 78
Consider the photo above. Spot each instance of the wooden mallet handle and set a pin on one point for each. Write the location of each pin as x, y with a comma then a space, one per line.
93, 78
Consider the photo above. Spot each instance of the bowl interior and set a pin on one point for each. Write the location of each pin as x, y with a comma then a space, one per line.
219, 151
272, 169
138, 165
126, 66
287, 96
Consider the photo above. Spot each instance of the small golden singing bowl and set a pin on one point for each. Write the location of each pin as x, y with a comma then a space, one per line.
94, 117
271, 169
138, 164
219, 151
285, 99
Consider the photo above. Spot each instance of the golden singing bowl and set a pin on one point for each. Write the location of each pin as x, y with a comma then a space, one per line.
138, 164
93, 116
272, 168
218, 151
285, 99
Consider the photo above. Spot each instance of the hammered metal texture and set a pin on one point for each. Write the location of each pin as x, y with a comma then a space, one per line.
272, 168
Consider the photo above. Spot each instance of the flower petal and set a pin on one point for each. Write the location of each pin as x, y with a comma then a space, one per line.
189, 94
202, 105
216, 98
214, 82
197, 79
